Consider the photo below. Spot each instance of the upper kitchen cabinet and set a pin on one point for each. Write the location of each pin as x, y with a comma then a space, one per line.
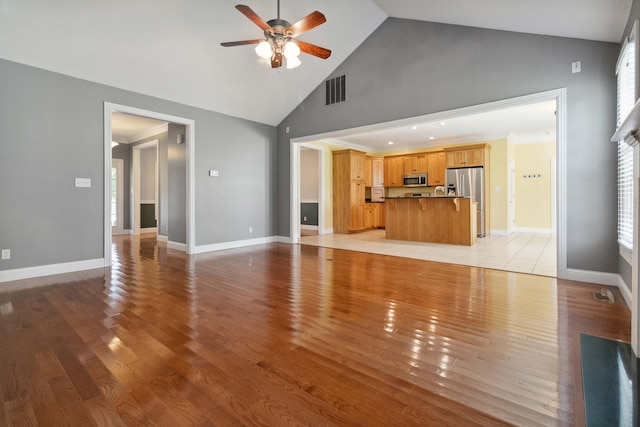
357, 159
414, 164
368, 171
436, 167
393, 167
469, 156
377, 166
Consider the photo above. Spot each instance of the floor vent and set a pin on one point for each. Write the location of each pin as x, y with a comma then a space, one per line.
604, 295
336, 90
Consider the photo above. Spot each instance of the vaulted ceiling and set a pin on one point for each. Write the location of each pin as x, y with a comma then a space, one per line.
171, 49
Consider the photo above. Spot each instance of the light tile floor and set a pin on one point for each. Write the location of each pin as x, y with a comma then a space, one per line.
520, 252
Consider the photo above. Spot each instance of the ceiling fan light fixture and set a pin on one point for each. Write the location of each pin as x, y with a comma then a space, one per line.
291, 50
263, 50
293, 62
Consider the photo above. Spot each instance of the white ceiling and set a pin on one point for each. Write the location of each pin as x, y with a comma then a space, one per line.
126, 128
171, 48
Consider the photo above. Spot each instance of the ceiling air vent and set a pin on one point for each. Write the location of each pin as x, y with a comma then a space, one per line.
336, 90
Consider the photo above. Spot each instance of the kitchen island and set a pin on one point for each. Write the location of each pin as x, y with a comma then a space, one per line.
447, 219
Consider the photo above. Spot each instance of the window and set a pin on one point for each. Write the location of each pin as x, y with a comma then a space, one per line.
626, 96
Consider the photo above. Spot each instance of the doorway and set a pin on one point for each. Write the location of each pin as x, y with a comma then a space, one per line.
313, 189
559, 202
145, 186
188, 139
117, 197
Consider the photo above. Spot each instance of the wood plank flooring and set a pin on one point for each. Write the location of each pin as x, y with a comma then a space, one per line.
291, 335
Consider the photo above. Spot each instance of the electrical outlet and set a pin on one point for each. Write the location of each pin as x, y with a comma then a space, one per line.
6, 254
250, 230
576, 67
304, 219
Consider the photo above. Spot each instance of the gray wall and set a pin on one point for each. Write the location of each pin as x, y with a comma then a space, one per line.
309, 174
148, 158
52, 131
409, 68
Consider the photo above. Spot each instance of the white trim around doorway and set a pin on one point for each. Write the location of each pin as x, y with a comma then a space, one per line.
558, 95
189, 124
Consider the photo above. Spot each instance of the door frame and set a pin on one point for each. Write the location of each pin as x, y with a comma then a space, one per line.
190, 142
557, 95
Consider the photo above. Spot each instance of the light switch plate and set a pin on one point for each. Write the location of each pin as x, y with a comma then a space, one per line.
6, 254
83, 182
213, 173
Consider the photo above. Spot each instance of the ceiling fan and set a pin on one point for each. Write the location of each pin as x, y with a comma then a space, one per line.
279, 35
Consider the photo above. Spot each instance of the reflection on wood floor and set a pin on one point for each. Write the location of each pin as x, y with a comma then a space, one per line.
284, 334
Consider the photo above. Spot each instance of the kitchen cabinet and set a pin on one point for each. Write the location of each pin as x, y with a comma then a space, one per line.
348, 191
377, 175
357, 160
467, 157
368, 171
373, 215
393, 171
414, 164
378, 220
369, 215
436, 167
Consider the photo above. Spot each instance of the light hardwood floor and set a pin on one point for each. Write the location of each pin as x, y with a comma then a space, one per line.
284, 334
533, 253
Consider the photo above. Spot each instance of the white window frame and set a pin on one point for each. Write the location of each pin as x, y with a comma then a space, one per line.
626, 85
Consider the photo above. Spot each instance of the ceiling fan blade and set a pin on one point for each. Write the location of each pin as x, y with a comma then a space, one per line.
314, 50
276, 60
249, 13
310, 21
241, 42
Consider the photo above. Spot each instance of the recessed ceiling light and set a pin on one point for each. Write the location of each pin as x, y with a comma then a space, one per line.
414, 127
432, 137
390, 142
441, 123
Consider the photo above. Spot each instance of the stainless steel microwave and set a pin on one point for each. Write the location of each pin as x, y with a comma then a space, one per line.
414, 180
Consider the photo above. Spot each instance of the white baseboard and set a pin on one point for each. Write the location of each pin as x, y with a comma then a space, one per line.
625, 291
148, 230
235, 244
533, 230
122, 233
284, 239
326, 231
308, 227
177, 246
48, 270
499, 232
609, 279
162, 238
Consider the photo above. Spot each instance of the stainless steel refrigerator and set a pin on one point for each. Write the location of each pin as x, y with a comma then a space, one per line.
468, 182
